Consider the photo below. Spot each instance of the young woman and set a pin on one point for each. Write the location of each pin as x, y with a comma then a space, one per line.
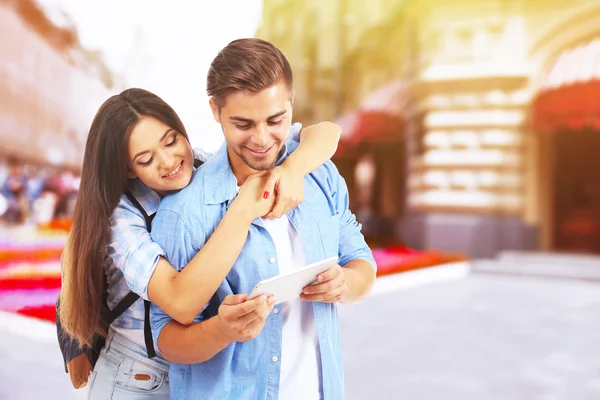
138, 144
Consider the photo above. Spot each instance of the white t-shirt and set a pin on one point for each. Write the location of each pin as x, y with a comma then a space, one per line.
300, 377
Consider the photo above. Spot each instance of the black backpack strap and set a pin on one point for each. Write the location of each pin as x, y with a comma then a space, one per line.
137, 205
120, 308
123, 305
148, 331
132, 297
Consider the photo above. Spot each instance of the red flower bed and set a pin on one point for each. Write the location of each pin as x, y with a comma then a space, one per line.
390, 260
400, 259
29, 254
46, 312
46, 282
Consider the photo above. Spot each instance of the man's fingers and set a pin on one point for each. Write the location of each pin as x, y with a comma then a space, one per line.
234, 299
330, 274
335, 299
249, 306
255, 324
324, 287
325, 281
335, 293
238, 305
259, 313
329, 297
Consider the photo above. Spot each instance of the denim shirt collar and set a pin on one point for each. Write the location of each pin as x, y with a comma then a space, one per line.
148, 198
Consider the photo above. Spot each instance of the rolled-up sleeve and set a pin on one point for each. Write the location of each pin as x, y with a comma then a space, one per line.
352, 242
131, 247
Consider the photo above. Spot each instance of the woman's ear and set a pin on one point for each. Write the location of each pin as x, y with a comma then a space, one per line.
131, 174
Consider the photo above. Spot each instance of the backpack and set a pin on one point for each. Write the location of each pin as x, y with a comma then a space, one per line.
79, 361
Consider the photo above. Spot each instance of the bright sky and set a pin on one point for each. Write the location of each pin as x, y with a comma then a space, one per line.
165, 47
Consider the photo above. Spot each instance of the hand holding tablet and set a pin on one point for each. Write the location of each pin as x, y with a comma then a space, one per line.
331, 287
289, 286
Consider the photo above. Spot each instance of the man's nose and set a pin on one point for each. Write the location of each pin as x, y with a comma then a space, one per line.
261, 135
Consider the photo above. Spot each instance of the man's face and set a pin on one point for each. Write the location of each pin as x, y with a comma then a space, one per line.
256, 125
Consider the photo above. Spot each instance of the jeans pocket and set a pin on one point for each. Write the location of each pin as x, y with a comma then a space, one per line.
137, 377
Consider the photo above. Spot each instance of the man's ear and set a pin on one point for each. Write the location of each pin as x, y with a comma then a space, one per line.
215, 110
293, 95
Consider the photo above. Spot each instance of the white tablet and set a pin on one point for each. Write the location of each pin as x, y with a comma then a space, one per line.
289, 286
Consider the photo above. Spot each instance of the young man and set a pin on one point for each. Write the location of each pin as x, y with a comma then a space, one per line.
251, 349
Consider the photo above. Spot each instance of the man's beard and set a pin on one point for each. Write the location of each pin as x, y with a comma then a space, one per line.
258, 165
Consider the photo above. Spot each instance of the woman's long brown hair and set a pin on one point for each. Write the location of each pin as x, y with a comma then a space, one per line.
103, 182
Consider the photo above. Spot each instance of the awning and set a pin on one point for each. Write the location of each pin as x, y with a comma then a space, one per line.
570, 93
377, 120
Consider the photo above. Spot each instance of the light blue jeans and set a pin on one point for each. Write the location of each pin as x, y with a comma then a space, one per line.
124, 371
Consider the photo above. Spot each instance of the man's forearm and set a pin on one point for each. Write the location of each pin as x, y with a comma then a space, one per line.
191, 344
360, 277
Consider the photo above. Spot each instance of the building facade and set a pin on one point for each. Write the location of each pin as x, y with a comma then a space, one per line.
484, 169
49, 89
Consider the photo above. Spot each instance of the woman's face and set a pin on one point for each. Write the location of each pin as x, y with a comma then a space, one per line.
160, 156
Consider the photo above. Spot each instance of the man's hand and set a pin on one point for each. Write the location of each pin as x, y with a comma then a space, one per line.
331, 287
288, 186
241, 319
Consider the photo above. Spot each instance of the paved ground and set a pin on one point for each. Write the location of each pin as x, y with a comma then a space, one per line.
31, 366
486, 336
483, 337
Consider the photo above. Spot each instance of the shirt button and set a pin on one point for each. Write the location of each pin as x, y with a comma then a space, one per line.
272, 260
276, 311
275, 359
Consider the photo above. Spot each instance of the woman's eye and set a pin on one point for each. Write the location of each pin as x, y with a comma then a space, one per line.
146, 163
172, 142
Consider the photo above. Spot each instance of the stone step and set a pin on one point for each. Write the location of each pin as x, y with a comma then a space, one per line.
583, 260
565, 270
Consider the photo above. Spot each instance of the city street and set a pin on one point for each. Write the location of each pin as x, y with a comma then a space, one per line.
481, 336
464, 137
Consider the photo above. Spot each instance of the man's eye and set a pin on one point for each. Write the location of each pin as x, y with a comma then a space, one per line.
275, 122
243, 127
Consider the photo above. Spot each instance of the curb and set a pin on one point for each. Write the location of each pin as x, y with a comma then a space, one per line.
420, 277
26, 327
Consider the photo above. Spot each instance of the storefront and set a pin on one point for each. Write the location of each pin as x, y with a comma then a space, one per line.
371, 157
566, 121
467, 161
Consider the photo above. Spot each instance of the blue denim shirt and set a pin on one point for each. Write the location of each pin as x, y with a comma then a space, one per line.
185, 221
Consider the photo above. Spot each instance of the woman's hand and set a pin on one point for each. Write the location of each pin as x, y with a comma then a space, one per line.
250, 202
287, 186
270, 194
